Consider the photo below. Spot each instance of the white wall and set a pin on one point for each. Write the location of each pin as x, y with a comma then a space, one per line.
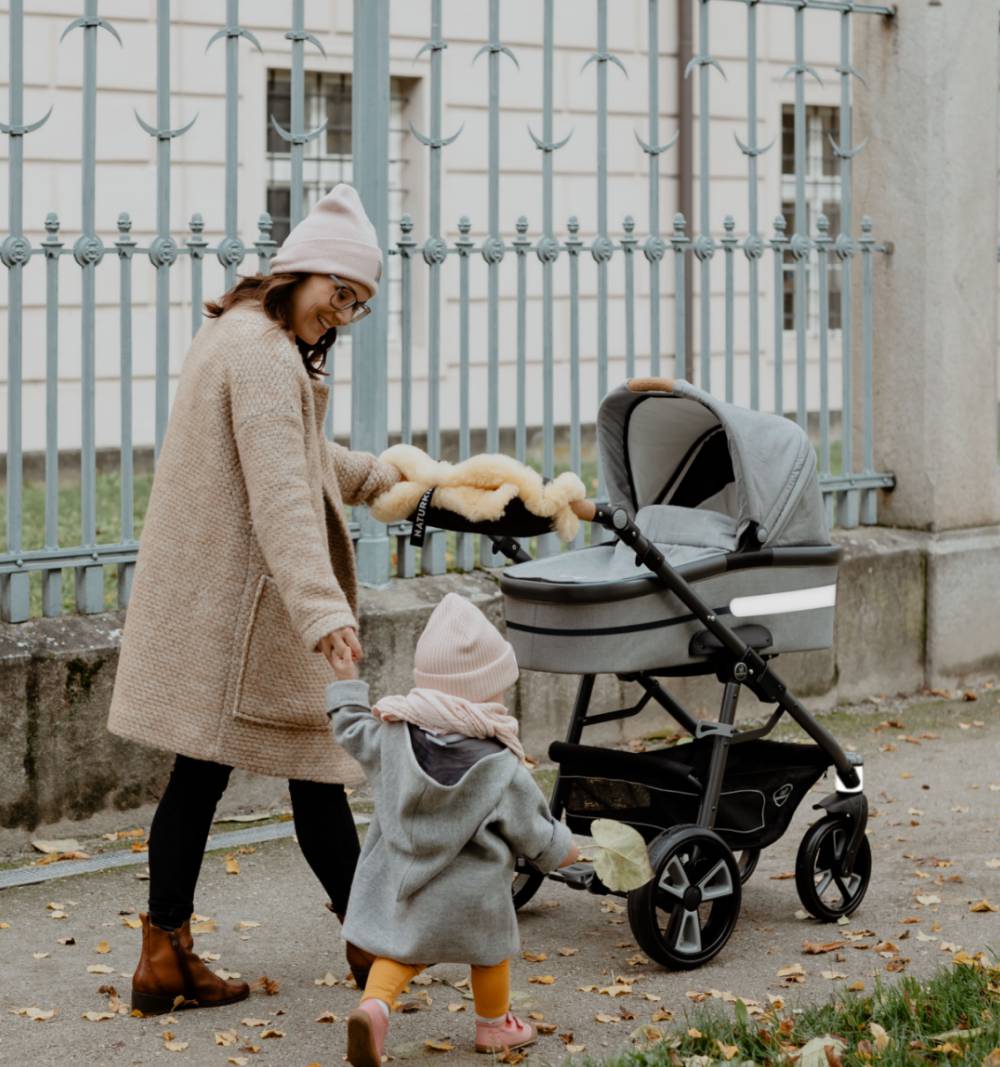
126, 180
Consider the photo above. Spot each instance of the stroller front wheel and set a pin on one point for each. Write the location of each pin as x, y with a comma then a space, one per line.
683, 916
525, 885
825, 890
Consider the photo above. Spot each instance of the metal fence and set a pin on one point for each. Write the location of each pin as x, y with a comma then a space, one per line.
674, 258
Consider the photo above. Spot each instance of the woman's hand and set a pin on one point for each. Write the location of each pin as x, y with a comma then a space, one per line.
342, 649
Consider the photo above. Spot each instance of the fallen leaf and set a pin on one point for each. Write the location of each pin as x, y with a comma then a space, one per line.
546, 1028
692, 1032
68, 844
40, 955
438, 1045
272, 1032
245, 924
255, 1022
535, 957
327, 1017
603, 1017
576, 1048
620, 857
226, 975
832, 976
880, 1035
328, 979
573, 951
36, 1014
728, 1051
661, 1015
814, 1053
619, 989
542, 979
928, 899
232, 865
175, 1046
814, 948
238, 1061
792, 970
203, 926
983, 905
266, 985
98, 1016
103, 948
99, 968
856, 987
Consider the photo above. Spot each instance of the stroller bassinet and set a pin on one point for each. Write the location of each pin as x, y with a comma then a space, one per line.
729, 496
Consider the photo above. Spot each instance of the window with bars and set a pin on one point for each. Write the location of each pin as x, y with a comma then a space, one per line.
327, 158
822, 186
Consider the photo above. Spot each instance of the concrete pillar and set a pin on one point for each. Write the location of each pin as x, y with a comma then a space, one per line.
928, 178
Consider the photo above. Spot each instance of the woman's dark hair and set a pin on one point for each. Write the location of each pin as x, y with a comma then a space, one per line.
273, 292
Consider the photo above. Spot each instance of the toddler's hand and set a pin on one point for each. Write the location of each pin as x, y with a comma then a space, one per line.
571, 857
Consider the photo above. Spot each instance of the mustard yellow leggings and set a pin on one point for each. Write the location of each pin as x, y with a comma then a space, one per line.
490, 985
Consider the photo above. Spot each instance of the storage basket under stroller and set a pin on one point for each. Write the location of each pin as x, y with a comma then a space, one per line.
763, 784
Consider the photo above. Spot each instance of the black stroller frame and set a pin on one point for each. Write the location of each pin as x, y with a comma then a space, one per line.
686, 913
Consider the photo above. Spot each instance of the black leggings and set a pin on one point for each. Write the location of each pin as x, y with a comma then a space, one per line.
324, 826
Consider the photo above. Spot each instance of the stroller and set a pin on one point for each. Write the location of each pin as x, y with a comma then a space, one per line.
721, 559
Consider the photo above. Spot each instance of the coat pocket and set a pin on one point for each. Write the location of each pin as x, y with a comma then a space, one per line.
280, 684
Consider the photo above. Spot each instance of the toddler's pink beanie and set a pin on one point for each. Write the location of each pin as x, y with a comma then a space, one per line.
336, 237
461, 653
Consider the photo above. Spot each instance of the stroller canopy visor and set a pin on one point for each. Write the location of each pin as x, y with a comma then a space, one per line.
663, 441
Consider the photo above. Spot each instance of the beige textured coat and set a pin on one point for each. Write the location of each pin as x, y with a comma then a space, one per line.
245, 562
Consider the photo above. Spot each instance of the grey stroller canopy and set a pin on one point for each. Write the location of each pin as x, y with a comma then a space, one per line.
667, 446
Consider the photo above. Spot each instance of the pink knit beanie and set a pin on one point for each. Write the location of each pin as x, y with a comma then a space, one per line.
461, 653
336, 237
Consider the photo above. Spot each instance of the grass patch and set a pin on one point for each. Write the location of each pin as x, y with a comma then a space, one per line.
954, 1017
107, 492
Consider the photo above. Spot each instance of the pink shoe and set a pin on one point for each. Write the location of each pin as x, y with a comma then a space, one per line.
510, 1032
367, 1026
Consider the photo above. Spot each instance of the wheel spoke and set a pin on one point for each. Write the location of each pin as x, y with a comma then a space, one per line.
674, 879
824, 885
688, 934
717, 883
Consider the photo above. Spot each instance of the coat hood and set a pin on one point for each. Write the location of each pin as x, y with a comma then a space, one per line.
428, 824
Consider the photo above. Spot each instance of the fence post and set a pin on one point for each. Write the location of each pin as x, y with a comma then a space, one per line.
370, 365
927, 177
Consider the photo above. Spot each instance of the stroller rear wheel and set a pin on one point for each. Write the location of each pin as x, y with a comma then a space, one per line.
684, 915
747, 860
826, 893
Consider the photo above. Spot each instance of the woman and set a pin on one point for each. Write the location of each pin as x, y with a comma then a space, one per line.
244, 597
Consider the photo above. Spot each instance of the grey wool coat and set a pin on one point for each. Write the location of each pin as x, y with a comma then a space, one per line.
433, 884
245, 562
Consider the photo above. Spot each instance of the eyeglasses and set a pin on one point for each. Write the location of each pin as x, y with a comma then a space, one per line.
345, 299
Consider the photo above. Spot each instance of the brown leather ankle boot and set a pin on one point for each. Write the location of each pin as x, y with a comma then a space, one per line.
169, 969
358, 959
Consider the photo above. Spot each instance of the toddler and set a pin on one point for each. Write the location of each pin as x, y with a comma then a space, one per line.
454, 805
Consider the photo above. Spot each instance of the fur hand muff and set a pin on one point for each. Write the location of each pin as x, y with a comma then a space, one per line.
479, 488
